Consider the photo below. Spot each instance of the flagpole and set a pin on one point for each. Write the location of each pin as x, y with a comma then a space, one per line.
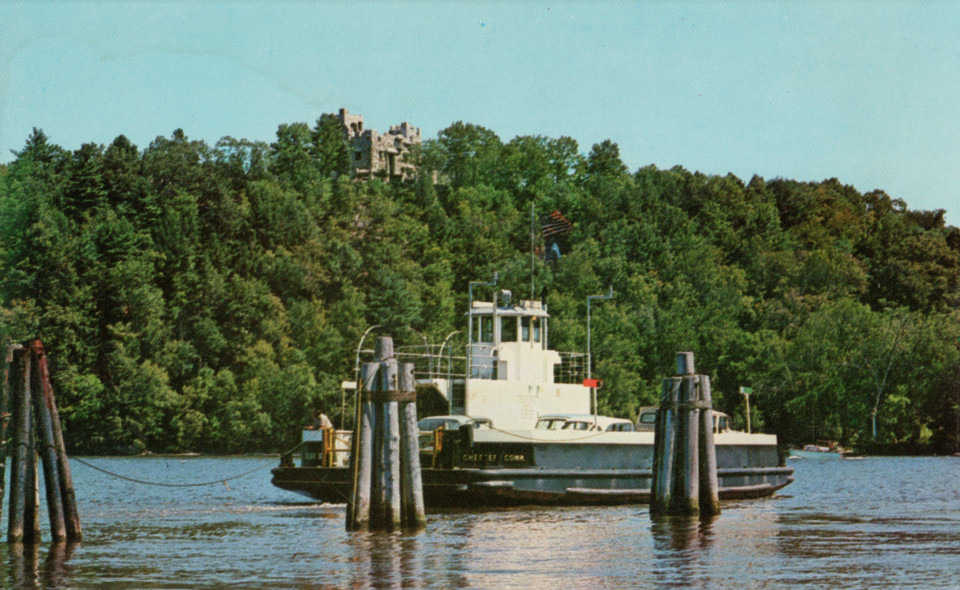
533, 250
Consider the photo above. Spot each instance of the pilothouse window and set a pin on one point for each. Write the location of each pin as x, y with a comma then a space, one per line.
529, 329
508, 329
482, 329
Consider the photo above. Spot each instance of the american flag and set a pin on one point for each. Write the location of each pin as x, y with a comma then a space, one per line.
556, 225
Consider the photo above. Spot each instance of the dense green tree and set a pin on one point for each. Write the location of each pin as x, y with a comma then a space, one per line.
292, 159
466, 154
330, 146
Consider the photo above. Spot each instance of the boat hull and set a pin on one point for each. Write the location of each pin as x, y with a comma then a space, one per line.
506, 487
815, 454
468, 473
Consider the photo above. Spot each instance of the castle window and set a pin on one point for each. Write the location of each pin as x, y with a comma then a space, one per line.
358, 155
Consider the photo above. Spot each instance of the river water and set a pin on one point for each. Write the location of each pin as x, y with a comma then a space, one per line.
876, 522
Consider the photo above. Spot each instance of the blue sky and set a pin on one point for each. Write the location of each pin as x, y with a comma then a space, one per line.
865, 92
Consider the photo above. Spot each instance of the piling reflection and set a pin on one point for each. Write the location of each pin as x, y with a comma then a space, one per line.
385, 560
681, 549
676, 533
24, 569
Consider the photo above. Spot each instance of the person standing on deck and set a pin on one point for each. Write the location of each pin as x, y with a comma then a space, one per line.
320, 421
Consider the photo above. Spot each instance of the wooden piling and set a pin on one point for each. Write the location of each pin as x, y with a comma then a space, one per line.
413, 513
685, 498
388, 468
684, 460
664, 441
8, 348
18, 467
363, 432
28, 393
378, 483
709, 486
392, 510
31, 506
47, 451
67, 493
386, 462
377, 490
355, 454
368, 423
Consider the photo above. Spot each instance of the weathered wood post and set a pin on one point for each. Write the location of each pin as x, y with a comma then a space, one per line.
413, 514
31, 506
685, 498
47, 450
709, 486
362, 462
387, 491
27, 391
355, 453
684, 461
65, 482
19, 469
376, 457
8, 348
663, 446
387, 467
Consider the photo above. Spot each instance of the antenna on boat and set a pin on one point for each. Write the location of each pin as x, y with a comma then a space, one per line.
593, 390
533, 250
470, 287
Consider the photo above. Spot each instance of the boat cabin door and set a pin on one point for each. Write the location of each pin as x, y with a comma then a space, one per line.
483, 348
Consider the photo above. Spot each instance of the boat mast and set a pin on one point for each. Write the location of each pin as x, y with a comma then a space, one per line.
533, 250
470, 344
593, 390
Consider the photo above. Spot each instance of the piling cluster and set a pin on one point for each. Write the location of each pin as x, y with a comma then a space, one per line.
385, 454
27, 401
684, 455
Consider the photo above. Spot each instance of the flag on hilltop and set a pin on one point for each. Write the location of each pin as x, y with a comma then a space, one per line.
555, 227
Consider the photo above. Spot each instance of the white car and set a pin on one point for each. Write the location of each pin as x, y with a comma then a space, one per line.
587, 422
453, 422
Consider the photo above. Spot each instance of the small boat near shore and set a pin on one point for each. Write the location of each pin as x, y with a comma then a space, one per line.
824, 450
530, 434
814, 452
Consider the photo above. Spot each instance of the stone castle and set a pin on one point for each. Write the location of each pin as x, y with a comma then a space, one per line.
373, 155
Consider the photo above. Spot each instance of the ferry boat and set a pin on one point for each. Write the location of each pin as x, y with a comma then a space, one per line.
520, 427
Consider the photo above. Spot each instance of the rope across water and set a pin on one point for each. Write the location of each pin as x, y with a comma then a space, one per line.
222, 480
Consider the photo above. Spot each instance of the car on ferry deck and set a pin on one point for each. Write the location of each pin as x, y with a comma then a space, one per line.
647, 421
584, 422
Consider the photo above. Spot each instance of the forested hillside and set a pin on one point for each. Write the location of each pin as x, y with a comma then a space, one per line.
206, 298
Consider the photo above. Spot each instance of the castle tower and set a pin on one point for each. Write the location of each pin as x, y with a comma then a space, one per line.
373, 155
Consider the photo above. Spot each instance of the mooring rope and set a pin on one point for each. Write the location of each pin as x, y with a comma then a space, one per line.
222, 480
520, 436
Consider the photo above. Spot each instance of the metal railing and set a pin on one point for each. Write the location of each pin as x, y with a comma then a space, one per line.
572, 368
437, 362
433, 362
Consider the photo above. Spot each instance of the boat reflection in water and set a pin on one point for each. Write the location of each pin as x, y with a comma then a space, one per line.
520, 428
